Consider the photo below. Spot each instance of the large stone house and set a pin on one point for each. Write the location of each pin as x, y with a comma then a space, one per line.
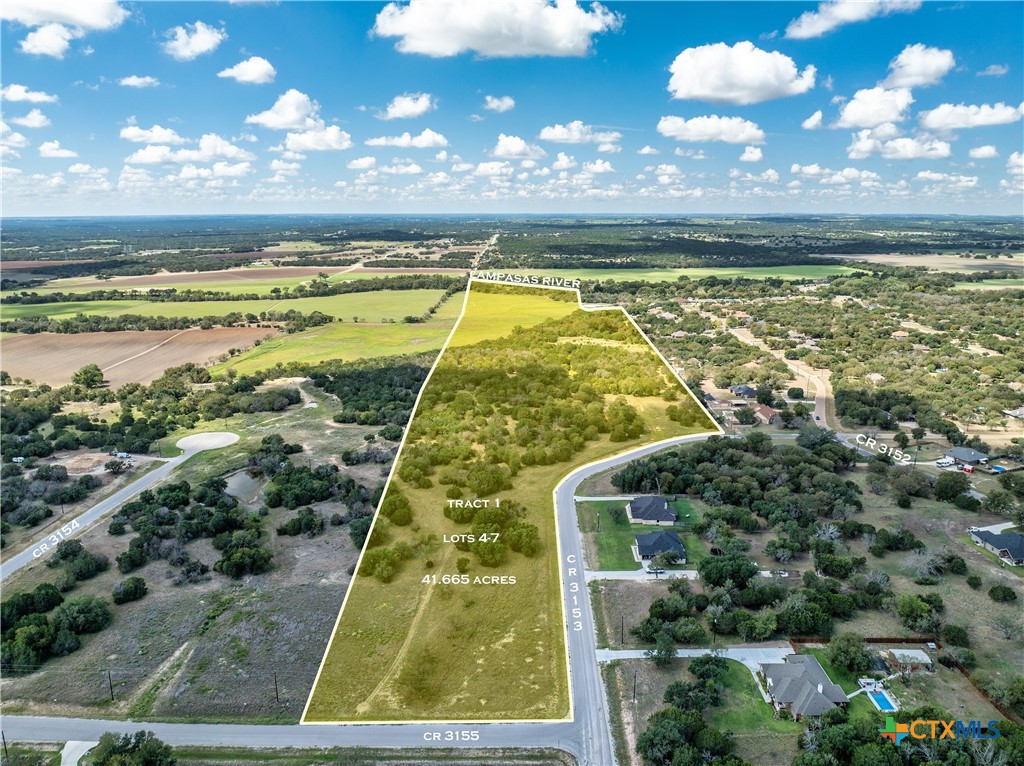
801, 686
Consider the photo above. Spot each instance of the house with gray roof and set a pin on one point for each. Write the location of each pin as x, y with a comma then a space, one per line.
650, 544
650, 510
800, 686
967, 456
1008, 546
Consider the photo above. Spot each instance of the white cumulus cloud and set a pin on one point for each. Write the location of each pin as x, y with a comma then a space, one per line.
814, 122
193, 40
400, 169
598, 166
986, 152
54, 150
994, 70
959, 116
499, 103
138, 81
563, 162
515, 148
321, 138
153, 135
427, 139
836, 13
16, 92
48, 40
1015, 164
211, 147
493, 169
648, 149
408, 106
871, 107
255, 70
56, 22
292, 110
34, 119
495, 29
918, 66
362, 163
576, 132
752, 154
881, 141
731, 130
738, 74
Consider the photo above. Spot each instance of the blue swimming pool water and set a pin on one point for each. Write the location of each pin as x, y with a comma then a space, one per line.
882, 701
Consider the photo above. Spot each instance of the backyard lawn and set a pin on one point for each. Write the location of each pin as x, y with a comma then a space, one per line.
845, 679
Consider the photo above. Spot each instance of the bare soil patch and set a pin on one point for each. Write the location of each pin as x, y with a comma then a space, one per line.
125, 357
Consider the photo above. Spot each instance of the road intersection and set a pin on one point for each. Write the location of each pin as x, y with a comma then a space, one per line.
587, 736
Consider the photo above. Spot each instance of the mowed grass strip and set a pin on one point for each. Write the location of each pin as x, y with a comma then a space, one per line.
406, 650
376, 306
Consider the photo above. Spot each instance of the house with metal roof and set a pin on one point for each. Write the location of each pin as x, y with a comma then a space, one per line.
800, 686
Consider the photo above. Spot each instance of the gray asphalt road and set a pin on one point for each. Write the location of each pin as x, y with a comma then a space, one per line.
587, 736
44, 546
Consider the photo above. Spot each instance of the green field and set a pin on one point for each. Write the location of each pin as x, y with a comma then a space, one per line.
671, 275
433, 650
846, 680
347, 341
615, 540
992, 284
372, 307
217, 282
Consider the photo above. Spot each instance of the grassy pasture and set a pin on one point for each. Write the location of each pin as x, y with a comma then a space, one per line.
348, 341
481, 652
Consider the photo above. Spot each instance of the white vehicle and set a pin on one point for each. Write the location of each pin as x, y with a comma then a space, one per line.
944, 462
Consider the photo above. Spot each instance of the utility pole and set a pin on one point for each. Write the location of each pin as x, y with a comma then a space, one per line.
6, 757
634, 686
277, 693
110, 685
622, 630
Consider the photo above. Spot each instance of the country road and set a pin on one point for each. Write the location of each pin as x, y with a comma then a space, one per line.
587, 736
192, 445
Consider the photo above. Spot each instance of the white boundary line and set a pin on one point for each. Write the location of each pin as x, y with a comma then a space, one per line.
558, 547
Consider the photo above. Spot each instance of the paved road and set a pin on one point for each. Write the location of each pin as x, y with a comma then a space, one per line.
191, 445
587, 736
590, 706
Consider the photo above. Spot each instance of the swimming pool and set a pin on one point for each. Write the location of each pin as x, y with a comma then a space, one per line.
883, 701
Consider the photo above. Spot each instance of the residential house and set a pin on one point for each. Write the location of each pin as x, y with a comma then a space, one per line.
876, 378
1008, 546
900, 335
650, 510
967, 456
744, 390
1017, 413
766, 413
800, 686
650, 544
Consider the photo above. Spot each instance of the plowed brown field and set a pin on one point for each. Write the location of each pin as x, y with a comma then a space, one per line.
124, 357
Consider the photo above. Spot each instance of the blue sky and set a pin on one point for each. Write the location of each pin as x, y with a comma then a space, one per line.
512, 106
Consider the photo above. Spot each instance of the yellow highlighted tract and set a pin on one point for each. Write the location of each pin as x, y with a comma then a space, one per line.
455, 611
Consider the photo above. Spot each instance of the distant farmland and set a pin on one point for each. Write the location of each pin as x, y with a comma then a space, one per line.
373, 306
125, 357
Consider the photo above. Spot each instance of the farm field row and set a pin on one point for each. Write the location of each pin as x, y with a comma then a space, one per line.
347, 341
376, 306
939, 261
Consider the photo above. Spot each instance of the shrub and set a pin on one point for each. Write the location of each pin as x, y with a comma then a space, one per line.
1002, 594
956, 635
129, 589
974, 581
